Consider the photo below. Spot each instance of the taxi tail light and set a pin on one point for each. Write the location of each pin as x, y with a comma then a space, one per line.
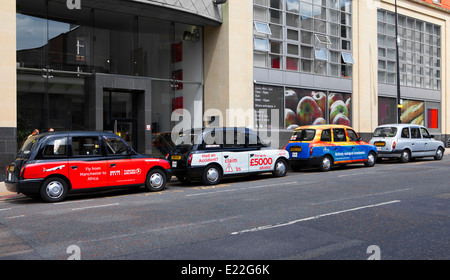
190, 159
167, 156
310, 151
394, 145
22, 170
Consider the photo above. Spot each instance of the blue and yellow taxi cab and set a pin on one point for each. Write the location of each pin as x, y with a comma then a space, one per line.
328, 145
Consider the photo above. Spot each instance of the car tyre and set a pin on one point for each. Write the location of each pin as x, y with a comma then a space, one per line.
439, 154
212, 175
156, 180
280, 168
371, 160
405, 156
54, 189
325, 163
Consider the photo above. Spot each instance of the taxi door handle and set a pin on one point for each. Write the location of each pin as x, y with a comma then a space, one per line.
335, 149
74, 167
112, 165
226, 156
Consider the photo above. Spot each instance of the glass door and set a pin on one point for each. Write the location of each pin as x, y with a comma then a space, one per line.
119, 115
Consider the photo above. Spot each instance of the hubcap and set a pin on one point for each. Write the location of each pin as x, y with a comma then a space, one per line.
405, 155
326, 163
156, 180
371, 159
280, 168
54, 189
439, 153
212, 174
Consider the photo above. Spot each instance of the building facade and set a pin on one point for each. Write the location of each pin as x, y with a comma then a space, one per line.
128, 65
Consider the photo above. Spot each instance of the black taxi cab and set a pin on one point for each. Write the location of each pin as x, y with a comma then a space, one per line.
51, 165
209, 154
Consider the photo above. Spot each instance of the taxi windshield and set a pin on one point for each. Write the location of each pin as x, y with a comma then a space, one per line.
25, 150
385, 132
303, 135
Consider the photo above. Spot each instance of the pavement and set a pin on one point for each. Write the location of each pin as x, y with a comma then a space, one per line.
5, 194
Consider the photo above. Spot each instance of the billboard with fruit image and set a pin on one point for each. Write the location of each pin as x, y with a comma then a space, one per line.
306, 107
412, 112
339, 105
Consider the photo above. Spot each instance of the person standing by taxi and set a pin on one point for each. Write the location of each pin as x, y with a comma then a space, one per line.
35, 132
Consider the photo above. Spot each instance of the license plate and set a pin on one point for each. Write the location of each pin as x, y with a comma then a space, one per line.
174, 164
296, 149
380, 144
176, 157
295, 154
11, 168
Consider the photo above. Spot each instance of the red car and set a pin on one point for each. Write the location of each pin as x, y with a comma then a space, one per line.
54, 164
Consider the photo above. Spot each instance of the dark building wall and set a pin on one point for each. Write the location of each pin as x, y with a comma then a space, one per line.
8, 148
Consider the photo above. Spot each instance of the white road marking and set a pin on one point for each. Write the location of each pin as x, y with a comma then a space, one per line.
313, 217
96, 206
20, 216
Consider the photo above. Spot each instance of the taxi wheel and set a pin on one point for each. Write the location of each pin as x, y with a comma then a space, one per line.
405, 156
54, 189
439, 154
325, 163
371, 159
156, 180
212, 175
280, 168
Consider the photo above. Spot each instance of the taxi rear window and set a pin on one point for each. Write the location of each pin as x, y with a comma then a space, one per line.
303, 135
385, 132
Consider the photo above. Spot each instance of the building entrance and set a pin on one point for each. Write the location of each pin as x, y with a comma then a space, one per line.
120, 115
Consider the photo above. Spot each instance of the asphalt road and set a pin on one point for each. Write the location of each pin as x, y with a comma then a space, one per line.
390, 211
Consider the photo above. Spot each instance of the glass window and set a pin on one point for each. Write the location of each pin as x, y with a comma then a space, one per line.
275, 62
116, 146
292, 6
385, 132
262, 28
56, 147
348, 58
253, 140
26, 148
321, 54
304, 135
326, 135
86, 146
261, 44
339, 135
415, 133
292, 63
405, 132
352, 136
425, 133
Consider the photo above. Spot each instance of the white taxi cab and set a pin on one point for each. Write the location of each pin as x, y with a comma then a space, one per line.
212, 153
